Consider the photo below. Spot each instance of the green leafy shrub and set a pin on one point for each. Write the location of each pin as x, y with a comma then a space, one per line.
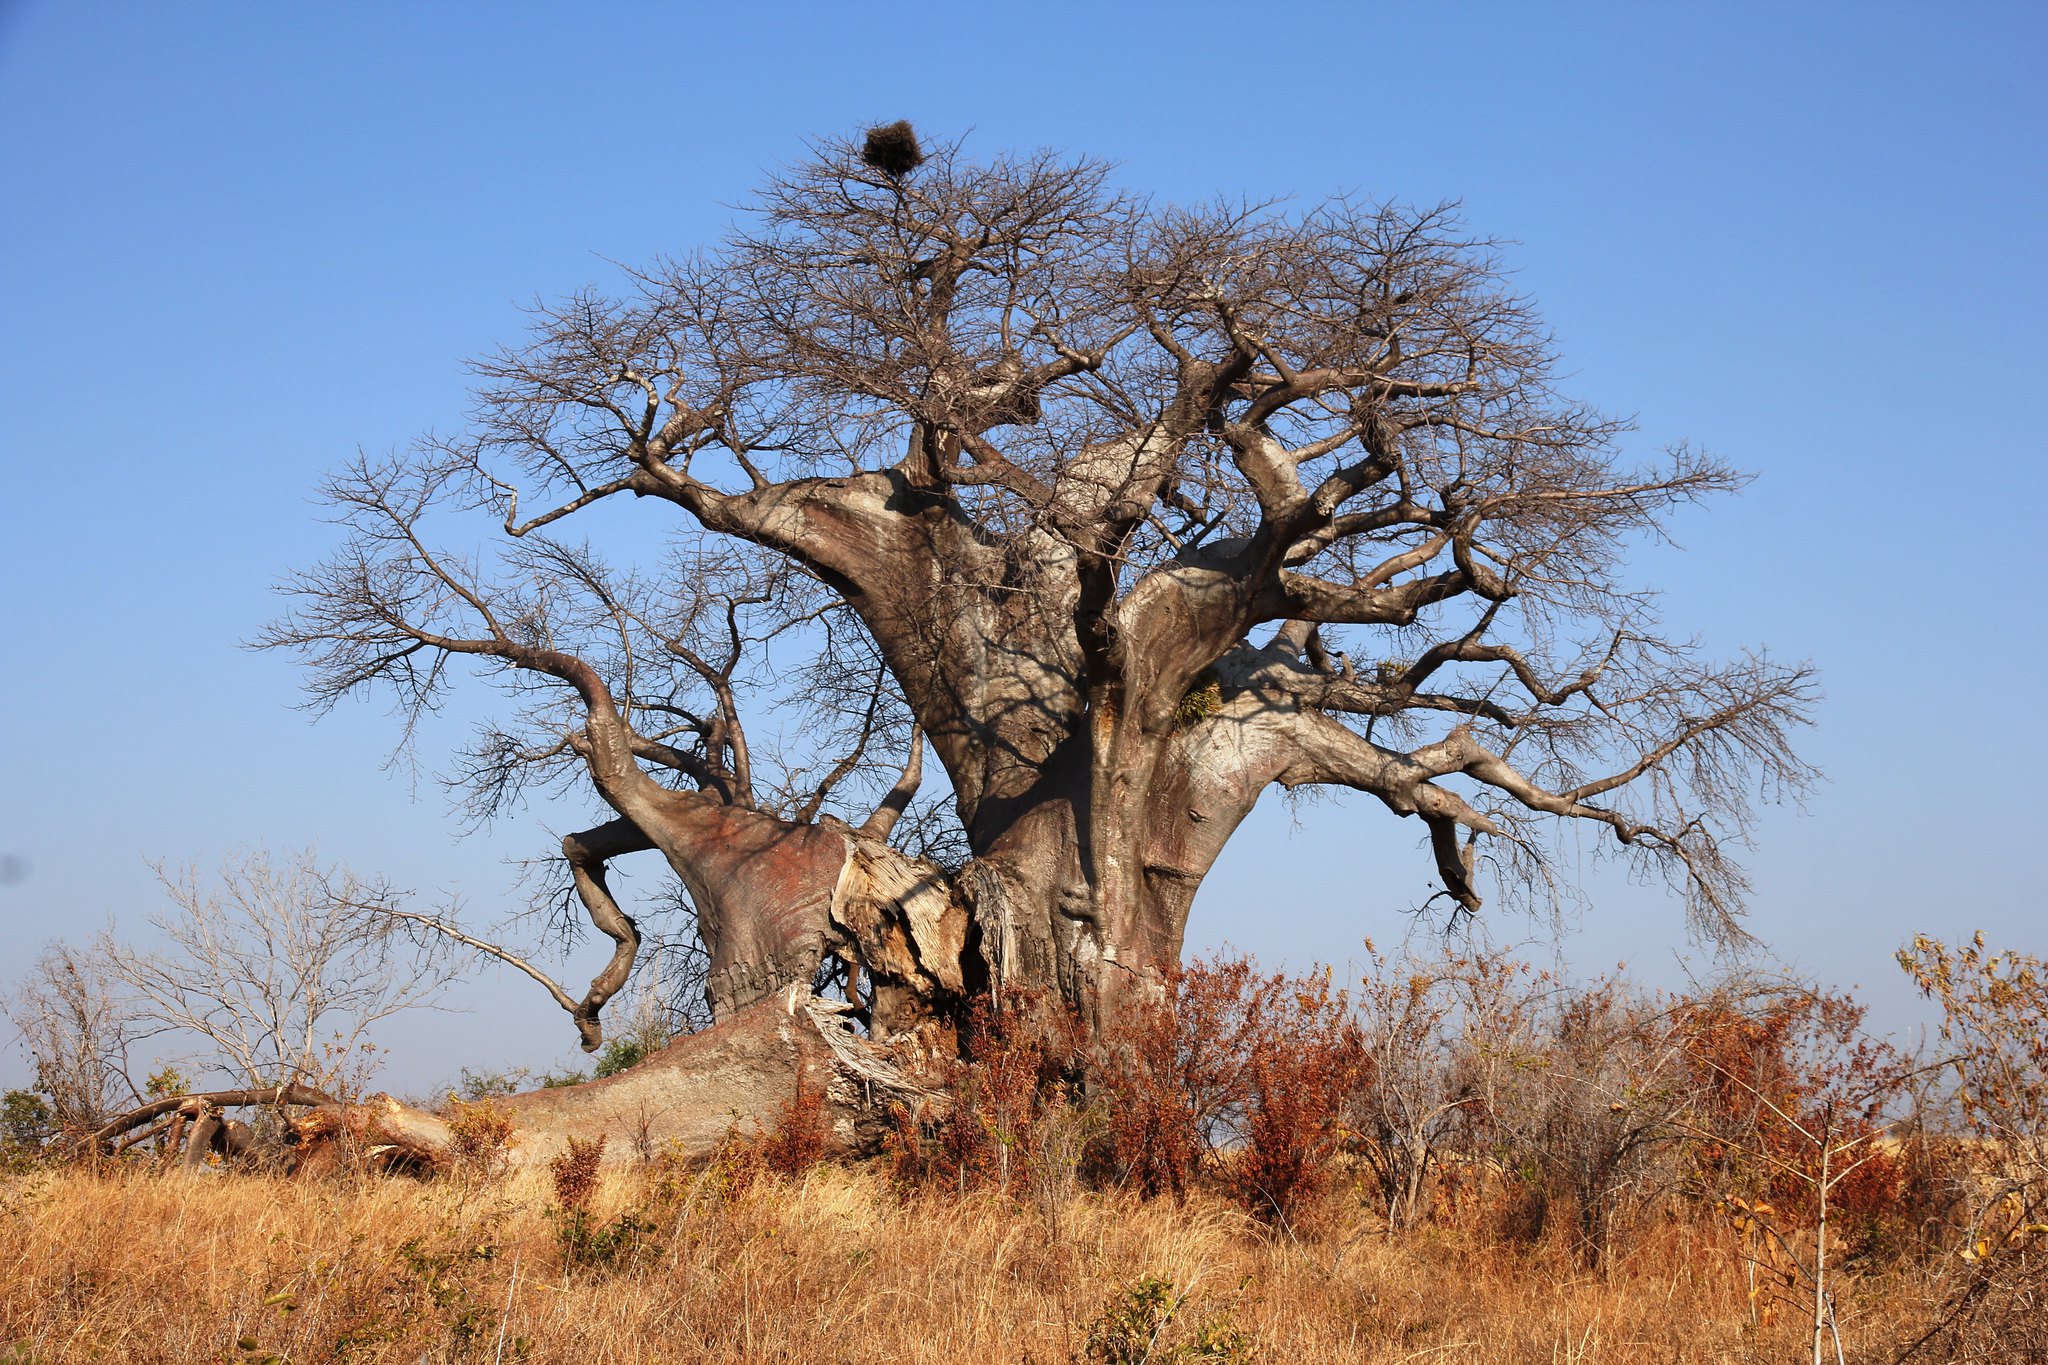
1134, 1329
620, 1054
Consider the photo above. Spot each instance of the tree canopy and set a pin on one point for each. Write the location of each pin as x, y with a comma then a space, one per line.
1128, 510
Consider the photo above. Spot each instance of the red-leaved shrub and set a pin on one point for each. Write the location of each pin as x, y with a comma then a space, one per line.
1234, 1071
1019, 1062
797, 1141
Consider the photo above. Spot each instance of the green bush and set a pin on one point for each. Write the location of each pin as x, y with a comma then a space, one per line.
1134, 1327
618, 1055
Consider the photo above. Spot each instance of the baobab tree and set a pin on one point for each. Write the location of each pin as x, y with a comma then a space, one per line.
1129, 512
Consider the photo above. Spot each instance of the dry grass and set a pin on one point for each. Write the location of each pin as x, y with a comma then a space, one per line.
827, 1267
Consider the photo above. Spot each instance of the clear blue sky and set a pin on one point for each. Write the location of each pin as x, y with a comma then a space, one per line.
239, 241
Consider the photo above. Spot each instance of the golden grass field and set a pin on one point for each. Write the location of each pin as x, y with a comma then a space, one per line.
838, 1266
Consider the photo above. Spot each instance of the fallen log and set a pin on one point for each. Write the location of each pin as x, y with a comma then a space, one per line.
279, 1095
172, 1108
684, 1100
741, 1074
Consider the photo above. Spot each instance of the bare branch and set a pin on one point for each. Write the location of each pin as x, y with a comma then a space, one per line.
882, 823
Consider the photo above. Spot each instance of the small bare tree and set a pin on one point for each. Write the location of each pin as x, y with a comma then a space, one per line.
1797, 1100
78, 1031
1607, 1108
1445, 1036
275, 970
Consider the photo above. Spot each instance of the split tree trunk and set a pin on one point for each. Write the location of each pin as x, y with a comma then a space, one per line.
1083, 891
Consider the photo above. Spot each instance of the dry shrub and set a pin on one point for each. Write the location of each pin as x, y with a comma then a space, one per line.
1307, 1061
796, 1142
1232, 1071
1450, 1045
584, 1240
1992, 1299
575, 1172
1007, 1111
480, 1146
1790, 1082
1173, 1071
1601, 1131
926, 1147
726, 1176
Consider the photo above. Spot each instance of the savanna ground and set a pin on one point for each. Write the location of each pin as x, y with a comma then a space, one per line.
1459, 1159
838, 1265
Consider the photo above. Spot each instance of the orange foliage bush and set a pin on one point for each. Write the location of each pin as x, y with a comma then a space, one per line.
1788, 1083
797, 1141
1307, 1061
574, 1172
1245, 1073
1020, 1060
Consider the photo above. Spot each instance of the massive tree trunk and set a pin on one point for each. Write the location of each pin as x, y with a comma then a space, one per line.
1094, 796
